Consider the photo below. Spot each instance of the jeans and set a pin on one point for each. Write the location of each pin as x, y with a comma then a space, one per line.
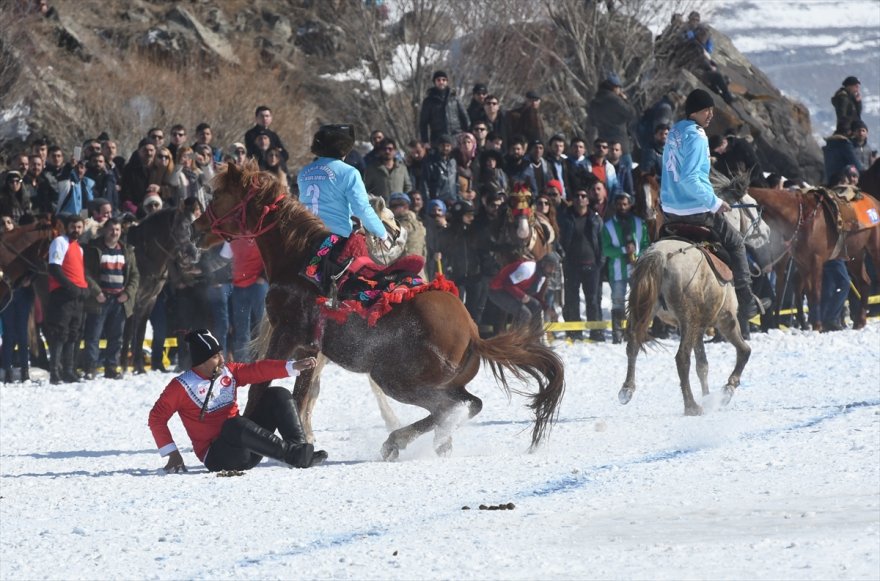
618, 295
108, 321
218, 301
835, 289
576, 277
248, 305
15, 327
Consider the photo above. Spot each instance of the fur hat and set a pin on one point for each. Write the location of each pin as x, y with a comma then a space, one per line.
533, 96
491, 153
152, 199
697, 101
202, 345
333, 141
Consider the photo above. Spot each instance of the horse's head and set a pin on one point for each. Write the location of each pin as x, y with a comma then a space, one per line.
520, 204
729, 189
242, 199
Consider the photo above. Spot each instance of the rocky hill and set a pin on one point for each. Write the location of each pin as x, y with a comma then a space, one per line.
123, 66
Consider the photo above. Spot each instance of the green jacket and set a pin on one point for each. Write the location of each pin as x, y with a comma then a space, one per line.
614, 244
92, 260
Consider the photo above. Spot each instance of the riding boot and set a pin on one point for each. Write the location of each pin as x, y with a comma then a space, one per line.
747, 308
616, 326
25, 374
55, 348
7, 375
68, 368
263, 442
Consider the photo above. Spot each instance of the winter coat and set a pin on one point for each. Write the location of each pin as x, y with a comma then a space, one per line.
415, 234
615, 235
525, 120
380, 181
463, 250
685, 189
441, 177
838, 153
611, 116
567, 233
441, 114
92, 261
846, 107
274, 142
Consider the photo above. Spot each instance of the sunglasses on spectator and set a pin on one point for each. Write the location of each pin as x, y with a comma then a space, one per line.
157, 136
240, 151
163, 157
602, 146
14, 180
542, 203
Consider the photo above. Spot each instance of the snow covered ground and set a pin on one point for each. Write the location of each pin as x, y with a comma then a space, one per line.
782, 483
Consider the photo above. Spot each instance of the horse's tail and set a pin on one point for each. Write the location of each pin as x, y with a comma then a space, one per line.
520, 352
644, 292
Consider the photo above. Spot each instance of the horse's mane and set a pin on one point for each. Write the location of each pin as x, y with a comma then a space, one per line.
297, 225
726, 187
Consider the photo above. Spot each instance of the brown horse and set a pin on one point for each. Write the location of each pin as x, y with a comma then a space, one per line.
423, 352
23, 252
521, 232
869, 180
806, 222
647, 203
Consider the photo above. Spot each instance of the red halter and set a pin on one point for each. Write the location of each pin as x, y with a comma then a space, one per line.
241, 208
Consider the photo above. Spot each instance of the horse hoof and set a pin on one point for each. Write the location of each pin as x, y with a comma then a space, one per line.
694, 410
728, 395
390, 452
625, 394
444, 449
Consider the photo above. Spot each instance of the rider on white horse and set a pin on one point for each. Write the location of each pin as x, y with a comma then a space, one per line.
687, 195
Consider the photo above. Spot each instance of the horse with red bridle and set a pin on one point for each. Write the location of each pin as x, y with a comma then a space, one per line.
424, 351
23, 252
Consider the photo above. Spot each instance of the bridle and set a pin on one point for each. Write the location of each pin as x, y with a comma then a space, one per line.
802, 222
240, 219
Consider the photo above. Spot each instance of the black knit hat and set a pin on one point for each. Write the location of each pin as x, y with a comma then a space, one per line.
849, 81
697, 101
202, 345
438, 75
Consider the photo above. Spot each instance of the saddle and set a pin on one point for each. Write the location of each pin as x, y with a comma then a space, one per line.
706, 241
850, 209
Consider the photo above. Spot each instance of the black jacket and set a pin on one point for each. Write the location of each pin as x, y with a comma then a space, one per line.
611, 116
568, 235
441, 114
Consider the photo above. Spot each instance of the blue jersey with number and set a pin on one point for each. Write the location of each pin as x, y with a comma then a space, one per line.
334, 191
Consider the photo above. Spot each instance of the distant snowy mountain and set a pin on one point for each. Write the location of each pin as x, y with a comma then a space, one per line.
807, 48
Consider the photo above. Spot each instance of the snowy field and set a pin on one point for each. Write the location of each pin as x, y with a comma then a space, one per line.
784, 483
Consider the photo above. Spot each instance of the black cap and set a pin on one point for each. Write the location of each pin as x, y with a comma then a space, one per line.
849, 81
697, 101
202, 345
439, 74
444, 138
481, 89
533, 96
462, 207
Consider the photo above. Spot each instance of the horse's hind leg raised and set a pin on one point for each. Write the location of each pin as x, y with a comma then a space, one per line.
729, 327
629, 384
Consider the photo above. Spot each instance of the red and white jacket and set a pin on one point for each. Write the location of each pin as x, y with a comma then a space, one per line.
519, 278
186, 393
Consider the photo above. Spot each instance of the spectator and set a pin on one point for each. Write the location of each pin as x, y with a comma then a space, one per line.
440, 171
577, 154
847, 102
546, 206
101, 211
495, 118
377, 136
152, 200
185, 179
274, 165
158, 136
112, 276
580, 229
623, 172
386, 174
611, 114
461, 248
161, 174
652, 158
400, 203
838, 153
102, 181
480, 131
602, 168
79, 191
476, 109
14, 199
205, 136
218, 292
516, 287
526, 119
441, 112
37, 187
559, 165
136, 176
538, 172
178, 140
435, 223
14, 318
733, 156
415, 157
516, 164
418, 204
865, 156
67, 291
236, 154
263, 119
491, 178
624, 237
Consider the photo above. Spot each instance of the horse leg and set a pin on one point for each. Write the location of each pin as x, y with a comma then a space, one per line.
450, 418
729, 327
689, 338
858, 305
629, 384
388, 415
140, 333
399, 439
127, 332
305, 393
702, 365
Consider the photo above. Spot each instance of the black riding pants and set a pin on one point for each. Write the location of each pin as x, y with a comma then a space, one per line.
226, 454
730, 240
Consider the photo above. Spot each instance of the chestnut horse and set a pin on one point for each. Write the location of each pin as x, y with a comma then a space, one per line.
811, 234
23, 251
424, 352
520, 231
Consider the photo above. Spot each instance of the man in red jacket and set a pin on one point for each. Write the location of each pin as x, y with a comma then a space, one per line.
205, 399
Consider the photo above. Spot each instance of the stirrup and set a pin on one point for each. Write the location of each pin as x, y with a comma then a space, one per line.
333, 299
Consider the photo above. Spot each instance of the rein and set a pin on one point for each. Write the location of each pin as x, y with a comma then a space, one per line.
244, 231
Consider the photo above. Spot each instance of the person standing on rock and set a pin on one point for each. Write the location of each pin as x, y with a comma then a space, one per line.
847, 102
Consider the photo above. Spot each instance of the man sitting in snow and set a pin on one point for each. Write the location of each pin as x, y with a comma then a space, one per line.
205, 398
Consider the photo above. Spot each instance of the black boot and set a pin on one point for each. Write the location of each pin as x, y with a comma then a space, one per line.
616, 326
68, 368
7, 375
55, 363
747, 308
261, 441
25, 375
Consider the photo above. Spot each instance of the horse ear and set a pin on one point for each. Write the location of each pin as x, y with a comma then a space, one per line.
233, 171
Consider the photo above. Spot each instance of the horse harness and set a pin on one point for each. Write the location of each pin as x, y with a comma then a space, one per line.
241, 207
